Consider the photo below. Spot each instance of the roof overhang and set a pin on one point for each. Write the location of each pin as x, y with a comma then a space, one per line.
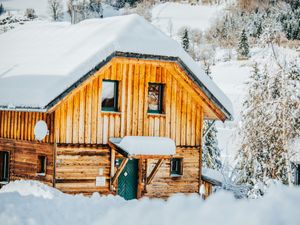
193, 76
144, 147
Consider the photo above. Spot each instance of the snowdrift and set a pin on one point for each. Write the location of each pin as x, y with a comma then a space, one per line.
30, 202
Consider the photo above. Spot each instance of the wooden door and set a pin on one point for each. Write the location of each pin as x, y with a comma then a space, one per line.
127, 181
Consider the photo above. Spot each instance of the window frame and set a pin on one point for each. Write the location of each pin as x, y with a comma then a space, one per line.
40, 173
116, 97
160, 100
179, 171
5, 168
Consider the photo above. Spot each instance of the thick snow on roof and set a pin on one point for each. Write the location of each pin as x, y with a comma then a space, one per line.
40, 60
213, 174
141, 145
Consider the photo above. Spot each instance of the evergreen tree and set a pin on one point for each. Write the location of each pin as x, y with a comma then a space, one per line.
185, 41
1, 9
243, 49
270, 120
211, 154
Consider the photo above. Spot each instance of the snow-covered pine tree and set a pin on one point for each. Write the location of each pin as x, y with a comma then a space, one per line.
96, 8
185, 41
270, 120
211, 154
243, 48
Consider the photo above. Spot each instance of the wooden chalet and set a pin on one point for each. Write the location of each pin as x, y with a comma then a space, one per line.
96, 84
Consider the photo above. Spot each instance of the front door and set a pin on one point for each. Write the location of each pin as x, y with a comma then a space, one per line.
127, 181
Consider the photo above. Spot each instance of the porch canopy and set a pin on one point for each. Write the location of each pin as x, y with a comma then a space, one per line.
144, 146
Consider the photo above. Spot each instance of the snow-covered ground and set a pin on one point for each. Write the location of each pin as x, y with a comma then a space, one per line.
31, 203
173, 16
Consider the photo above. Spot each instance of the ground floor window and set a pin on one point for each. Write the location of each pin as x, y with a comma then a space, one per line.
4, 166
297, 174
176, 167
42, 165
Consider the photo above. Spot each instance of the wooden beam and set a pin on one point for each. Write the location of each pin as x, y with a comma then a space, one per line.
112, 165
154, 171
140, 178
119, 171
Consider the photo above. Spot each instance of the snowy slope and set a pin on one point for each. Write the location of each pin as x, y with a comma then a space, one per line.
180, 15
280, 206
40, 6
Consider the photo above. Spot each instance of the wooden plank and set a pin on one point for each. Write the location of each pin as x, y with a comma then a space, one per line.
112, 165
119, 171
154, 171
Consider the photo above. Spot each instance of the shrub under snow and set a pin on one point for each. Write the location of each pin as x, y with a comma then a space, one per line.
279, 206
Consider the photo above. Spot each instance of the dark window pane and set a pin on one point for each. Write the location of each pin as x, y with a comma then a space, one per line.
155, 93
176, 166
4, 169
109, 95
42, 164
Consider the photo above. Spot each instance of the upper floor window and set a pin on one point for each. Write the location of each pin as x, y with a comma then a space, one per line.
155, 98
4, 169
109, 95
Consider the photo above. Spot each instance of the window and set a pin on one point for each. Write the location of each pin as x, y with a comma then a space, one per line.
176, 167
42, 165
109, 95
155, 98
297, 174
4, 169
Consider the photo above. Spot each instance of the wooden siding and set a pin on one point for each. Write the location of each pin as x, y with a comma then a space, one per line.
20, 125
78, 167
79, 119
163, 185
24, 159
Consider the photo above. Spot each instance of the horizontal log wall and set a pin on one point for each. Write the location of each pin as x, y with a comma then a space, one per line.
163, 185
78, 167
24, 159
79, 119
20, 125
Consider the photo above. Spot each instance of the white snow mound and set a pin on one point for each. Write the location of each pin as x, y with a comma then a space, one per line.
30, 187
279, 206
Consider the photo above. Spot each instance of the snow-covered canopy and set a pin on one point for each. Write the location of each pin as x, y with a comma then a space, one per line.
41, 60
142, 145
212, 176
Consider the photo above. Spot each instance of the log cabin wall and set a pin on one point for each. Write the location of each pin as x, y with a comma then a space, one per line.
79, 119
77, 168
20, 125
23, 163
163, 185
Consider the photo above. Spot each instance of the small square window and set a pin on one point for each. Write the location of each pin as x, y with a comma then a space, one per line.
155, 98
42, 165
109, 95
176, 167
4, 166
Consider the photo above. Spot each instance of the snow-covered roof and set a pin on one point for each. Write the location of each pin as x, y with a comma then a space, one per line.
142, 145
213, 176
41, 60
